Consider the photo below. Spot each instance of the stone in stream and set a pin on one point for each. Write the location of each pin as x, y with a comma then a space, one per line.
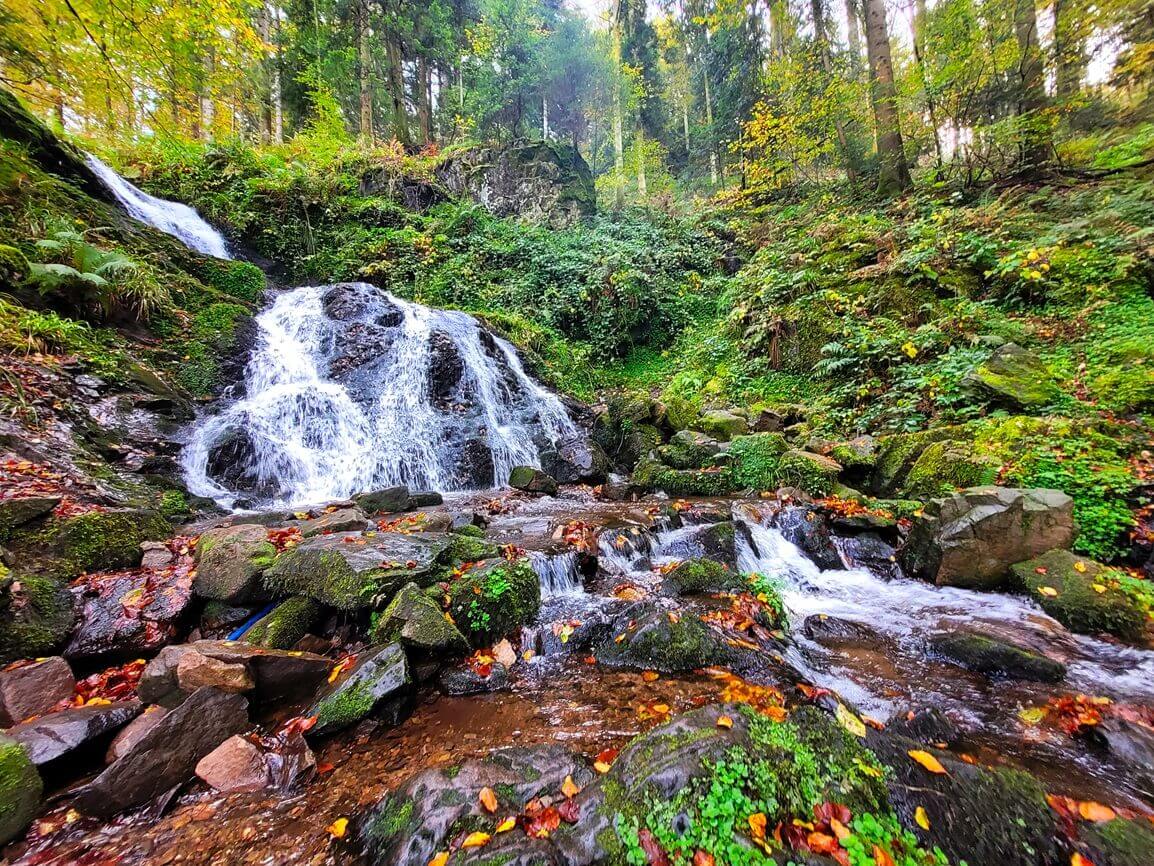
229, 562
388, 500
36, 615
237, 765
574, 460
167, 754
808, 529
532, 480
989, 655
123, 742
833, 631
342, 520
1083, 595
463, 679
20, 789
645, 636
33, 689
349, 571
494, 599
65, 733
971, 539
283, 626
696, 576
380, 676
418, 622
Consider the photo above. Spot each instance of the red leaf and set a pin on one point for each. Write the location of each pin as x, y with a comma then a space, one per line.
652, 848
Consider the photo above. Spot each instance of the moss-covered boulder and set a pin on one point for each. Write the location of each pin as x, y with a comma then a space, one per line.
349, 570
20, 789
15, 513
229, 562
754, 460
996, 657
689, 449
532, 480
36, 615
695, 576
415, 620
631, 426
494, 599
1120, 842
648, 637
859, 453
1086, 596
816, 474
380, 676
946, 466
13, 266
721, 425
1014, 378
98, 541
898, 453
652, 474
285, 624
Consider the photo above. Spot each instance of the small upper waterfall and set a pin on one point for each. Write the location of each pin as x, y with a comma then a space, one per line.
178, 220
350, 389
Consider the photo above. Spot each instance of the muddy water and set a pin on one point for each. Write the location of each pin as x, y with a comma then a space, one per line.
562, 696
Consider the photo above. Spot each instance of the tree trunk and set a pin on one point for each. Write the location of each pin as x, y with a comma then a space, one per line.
364, 65
709, 120
639, 143
618, 121
207, 109
853, 28
1034, 130
275, 95
827, 64
920, 59
424, 110
1070, 32
399, 119
893, 172
544, 118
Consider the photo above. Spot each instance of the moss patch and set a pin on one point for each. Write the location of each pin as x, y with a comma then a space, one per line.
493, 600
285, 624
20, 789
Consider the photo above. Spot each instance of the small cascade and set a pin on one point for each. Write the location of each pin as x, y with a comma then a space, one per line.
352, 389
173, 218
624, 550
557, 572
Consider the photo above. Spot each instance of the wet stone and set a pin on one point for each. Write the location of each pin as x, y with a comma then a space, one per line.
236, 765
33, 689
464, 680
63, 734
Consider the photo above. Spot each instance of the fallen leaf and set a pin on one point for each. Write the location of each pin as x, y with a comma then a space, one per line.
1080, 567
882, 857
927, 760
724, 722
1098, 587
504, 653
488, 798
1077, 859
440, 860
507, 825
757, 822
649, 676
1048, 591
476, 839
702, 858
338, 828
1092, 811
569, 787
921, 818
654, 853
850, 721
839, 829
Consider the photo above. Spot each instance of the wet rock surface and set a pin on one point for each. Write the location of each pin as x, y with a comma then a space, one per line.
60, 735
33, 689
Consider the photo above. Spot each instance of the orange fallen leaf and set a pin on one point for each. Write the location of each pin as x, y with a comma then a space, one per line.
569, 787
649, 676
1092, 811
702, 858
927, 760
724, 722
757, 822
507, 825
882, 857
338, 828
839, 829
476, 839
1078, 860
488, 798
440, 860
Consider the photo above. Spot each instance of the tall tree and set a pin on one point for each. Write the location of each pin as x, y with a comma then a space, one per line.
893, 170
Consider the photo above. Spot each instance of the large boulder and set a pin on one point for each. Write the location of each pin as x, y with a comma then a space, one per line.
1083, 595
971, 539
229, 562
63, 734
350, 571
1014, 378
98, 541
36, 614
380, 676
695, 576
645, 636
167, 755
20, 786
285, 624
128, 613
532, 480
494, 599
33, 689
994, 656
418, 622
814, 473
574, 460
721, 425
689, 449
545, 182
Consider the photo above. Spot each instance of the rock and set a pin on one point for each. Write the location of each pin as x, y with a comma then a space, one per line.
218, 619
1121, 842
689, 449
1064, 584
67, 732
462, 679
194, 671
833, 631
1014, 378
995, 657
754, 460
341, 520
623, 491
155, 555
809, 531
15, 513
418, 622
123, 742
925, 725
381, 674
653, 638
650, 474
235, 766
285, 624
36, 614
544, 182
722, 425
167, 755
762, 420
575, 460
229, 562
897, 455
859, 453
532, 480
695, 576
971, 539
870, 551
389, 500
100, 540
494, 599
33, 689
20, 787
351, 575
413, 823
276, 675
128, 613
813, 473
946, 466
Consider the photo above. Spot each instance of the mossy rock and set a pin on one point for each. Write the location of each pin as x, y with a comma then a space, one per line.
629, 428
695, 576
99, 541
229, 562
36, 615
1064, 584
414, 619
946, 466
13, 266
1119, 842
494, 599
898, 453
814, 473
1125, 388
722, 425
689, 449
285, 624
20, 789
1014, 378
992, 656
238, 279
532, 480
754, 460
651, 638
860, 453
380, 675
471, 546
651, 474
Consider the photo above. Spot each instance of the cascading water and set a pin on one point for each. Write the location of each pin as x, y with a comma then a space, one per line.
178, 220
351, 389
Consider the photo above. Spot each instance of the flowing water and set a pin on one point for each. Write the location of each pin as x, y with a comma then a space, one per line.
178, 220
351, 389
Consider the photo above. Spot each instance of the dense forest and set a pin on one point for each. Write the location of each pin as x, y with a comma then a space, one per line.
577, 432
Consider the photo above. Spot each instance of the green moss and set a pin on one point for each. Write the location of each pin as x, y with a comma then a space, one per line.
1121, 842
493, 600
811, 472
701, 575
655, 641
237, 279
211, 338
20, 789
100, 540
13, 266
470, 531
34, 619
390, 819
285, 624
174, 503
946, 466
651, 474
754, 460
346, 707
470, 548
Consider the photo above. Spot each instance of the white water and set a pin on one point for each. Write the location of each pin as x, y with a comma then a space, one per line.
557, 573
178, 220
339, 404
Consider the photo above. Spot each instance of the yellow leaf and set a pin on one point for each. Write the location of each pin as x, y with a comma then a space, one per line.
724, 722
1078, 860
440, 860
338, 828
839, 829
1080, 567
476, 840
1092, 811
1099, 587
927, 760
569, 787
661, 709
921, 818
1048, 591
507, 825
601, 766
849, 721
488, 798
757, 822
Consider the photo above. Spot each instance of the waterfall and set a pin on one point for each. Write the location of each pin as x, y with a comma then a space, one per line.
173, 218
352, 389
557, 572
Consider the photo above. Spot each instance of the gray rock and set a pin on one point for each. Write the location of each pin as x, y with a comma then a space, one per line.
20, 789
157, 603
996, 657
123, 742
380, 675
59, 735
389, 500
229, 562
33, 689
15, 513
417, 621
341, 520
463, 680
532, 480
834, 631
